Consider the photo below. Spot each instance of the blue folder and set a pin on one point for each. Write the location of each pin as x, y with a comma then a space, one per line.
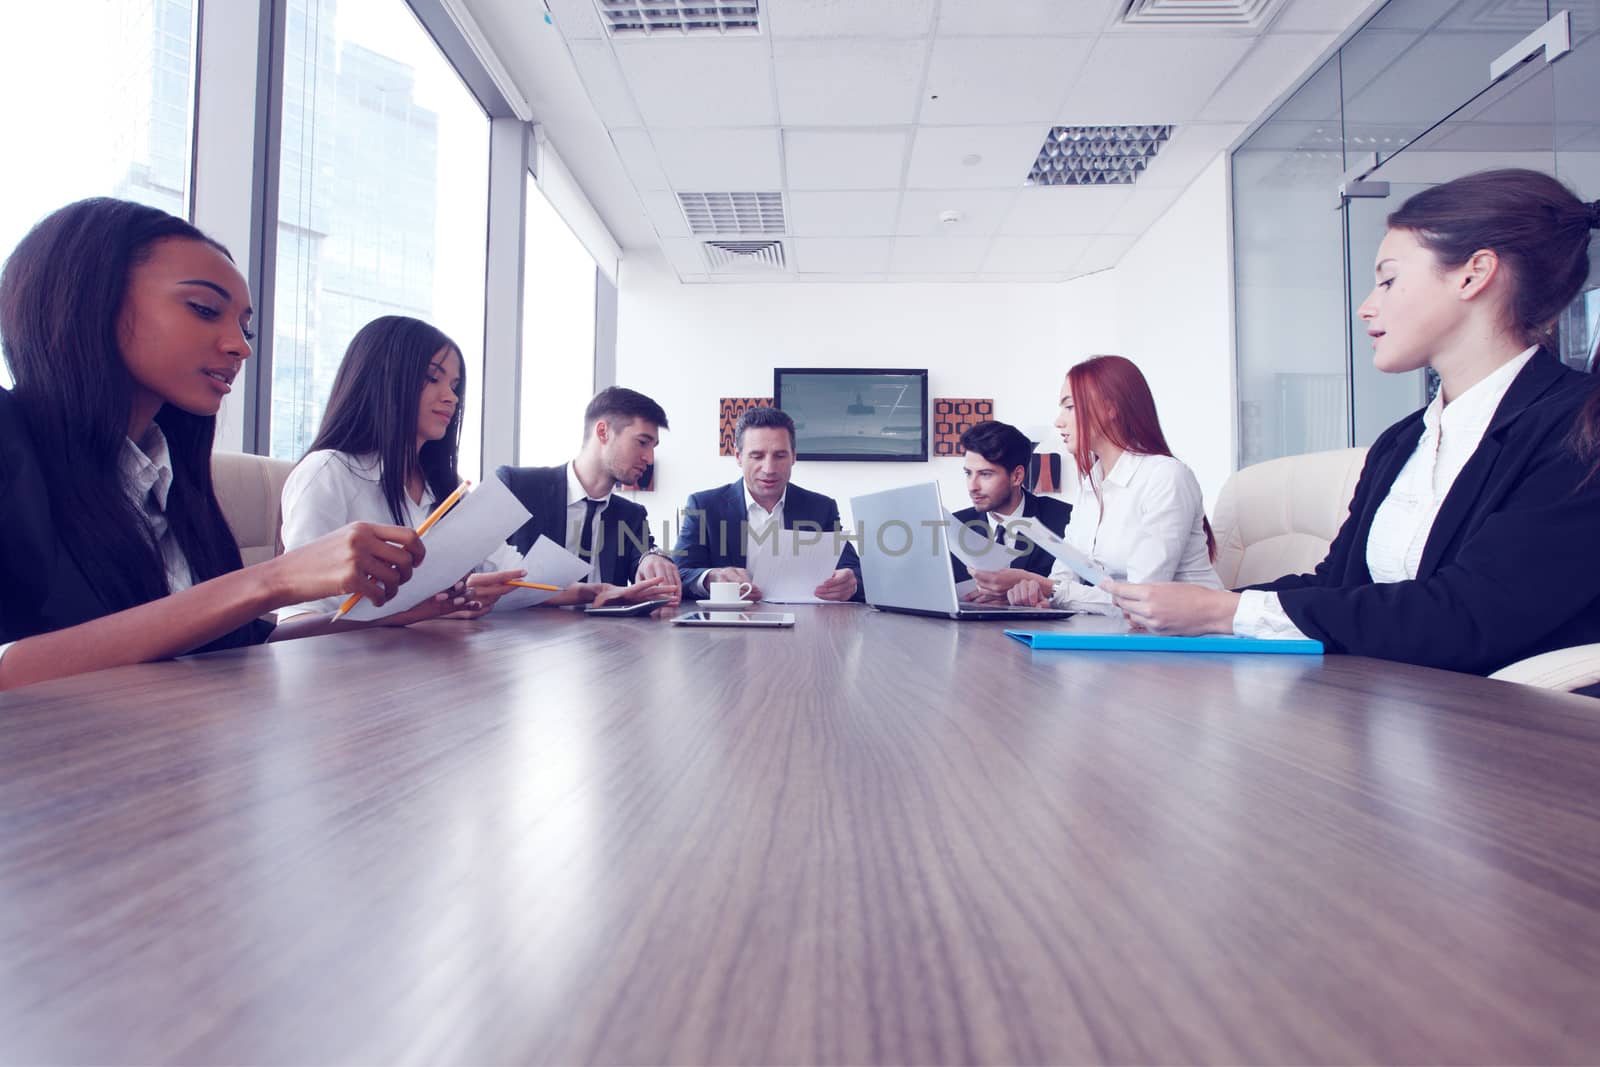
1148, 642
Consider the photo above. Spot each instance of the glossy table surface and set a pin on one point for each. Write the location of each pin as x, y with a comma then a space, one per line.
868, 839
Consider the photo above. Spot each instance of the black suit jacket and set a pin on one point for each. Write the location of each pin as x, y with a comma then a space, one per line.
714, 533
624, 531
1049, 512
1508, 570
43, 587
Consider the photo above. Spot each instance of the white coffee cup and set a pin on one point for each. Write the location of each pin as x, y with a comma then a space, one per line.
732, 592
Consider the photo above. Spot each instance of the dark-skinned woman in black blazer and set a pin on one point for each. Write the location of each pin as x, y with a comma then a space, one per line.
1470, 539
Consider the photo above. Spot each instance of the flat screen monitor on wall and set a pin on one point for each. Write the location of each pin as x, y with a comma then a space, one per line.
855, 414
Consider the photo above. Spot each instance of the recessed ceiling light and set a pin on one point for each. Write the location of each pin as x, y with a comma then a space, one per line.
1096, 155
645, 18
733, 212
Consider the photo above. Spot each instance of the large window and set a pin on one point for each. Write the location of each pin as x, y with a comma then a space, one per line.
383, 204
557, 336
99, 101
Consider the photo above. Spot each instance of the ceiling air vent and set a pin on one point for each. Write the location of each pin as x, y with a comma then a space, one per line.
1096, 155
745, 257
733, 212
1235, 13
645, 18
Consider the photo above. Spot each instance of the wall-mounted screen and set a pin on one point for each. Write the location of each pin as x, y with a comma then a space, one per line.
855, 414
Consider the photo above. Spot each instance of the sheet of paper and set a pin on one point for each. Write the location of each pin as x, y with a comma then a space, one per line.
460, 541
1081, 564
548, 564
973, 546
789, 566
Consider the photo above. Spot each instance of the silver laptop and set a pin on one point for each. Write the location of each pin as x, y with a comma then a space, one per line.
905, 558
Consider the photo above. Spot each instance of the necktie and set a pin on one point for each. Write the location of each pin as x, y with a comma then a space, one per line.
1000, 535
586, 537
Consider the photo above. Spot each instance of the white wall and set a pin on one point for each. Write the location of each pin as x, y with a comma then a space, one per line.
1173, 296
688, 345
1166, 307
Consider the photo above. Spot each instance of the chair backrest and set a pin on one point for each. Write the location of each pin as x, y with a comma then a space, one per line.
250, 489
1279, 517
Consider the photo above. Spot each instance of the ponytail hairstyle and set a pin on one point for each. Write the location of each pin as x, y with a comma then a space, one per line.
61, 299
377, 395
1111, 399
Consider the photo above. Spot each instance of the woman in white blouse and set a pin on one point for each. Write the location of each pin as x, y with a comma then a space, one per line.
1470, 539
1139, 512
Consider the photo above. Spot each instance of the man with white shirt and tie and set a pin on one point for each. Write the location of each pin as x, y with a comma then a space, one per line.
720, 524
996, 466
575, 504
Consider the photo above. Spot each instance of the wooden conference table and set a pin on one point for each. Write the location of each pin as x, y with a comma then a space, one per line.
868, 839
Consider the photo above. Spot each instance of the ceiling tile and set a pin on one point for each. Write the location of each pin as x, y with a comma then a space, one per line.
684, 255
639, 159
699, 81
1320, 16
1000, 80
1058, 209
1003, 155
602, 80
840, 255
842, 214
1272, 66
1141, 210
849, 18
1149, 79
576, 19
981, 212
719, 160
844, 159
1035, 255
1182, 158
1104, 252
938, 255
1034, 18
665, 214
848, 83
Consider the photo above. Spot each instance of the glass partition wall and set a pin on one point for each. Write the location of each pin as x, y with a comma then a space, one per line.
1406, 101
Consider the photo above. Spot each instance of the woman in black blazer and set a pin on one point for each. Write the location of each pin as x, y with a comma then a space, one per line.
124, 327
1469, 543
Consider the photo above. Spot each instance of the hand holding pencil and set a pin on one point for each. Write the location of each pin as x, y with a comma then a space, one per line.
386, 590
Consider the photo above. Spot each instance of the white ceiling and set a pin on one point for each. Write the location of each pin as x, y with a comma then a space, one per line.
874, 118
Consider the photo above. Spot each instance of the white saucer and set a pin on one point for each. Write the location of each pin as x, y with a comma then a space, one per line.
725, 605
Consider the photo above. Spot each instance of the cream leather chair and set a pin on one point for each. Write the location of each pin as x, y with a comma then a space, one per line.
1279, 517
249, 488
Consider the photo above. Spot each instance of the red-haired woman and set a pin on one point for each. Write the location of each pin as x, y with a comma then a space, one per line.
1139, 512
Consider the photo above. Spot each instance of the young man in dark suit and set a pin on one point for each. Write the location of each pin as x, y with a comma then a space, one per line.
996, 466
574, 504
718, 523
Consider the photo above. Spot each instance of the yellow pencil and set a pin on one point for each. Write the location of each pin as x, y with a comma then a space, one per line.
536, 585
438, 513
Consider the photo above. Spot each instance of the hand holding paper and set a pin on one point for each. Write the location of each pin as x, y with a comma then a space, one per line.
547, 563
789, 565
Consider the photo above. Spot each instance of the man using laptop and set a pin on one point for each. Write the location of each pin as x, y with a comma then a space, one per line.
1003, 511
718, 524
574, 504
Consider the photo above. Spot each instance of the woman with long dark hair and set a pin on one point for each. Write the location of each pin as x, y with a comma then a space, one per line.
1470, 539
123, 329
1139, 512
387, 452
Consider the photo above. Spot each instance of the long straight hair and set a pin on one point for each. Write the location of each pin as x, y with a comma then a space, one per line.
377, 396
61, 298
1111, 399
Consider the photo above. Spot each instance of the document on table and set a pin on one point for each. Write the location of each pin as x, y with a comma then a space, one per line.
973, 546
789, 566
1081, 565
457, 544
548, 564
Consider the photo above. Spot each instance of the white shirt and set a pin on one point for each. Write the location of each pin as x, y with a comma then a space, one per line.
1013, 524
577, 505
146, 470
1400, 527
329, 489
1145, 525
757, 520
